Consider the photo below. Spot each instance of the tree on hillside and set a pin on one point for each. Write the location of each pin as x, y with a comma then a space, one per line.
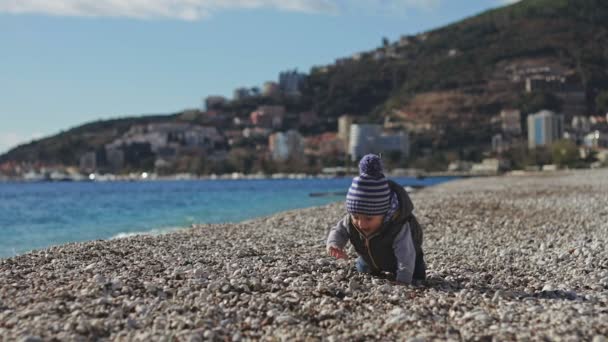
565, 153
601, 102
537, 101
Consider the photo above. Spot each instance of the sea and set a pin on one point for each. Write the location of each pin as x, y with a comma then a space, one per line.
41, 214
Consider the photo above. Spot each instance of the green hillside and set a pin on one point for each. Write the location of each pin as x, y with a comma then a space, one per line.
570, 33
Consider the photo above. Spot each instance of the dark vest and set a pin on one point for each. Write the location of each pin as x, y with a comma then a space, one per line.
377, 250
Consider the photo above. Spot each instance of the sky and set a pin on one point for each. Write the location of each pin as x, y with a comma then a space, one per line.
64, 63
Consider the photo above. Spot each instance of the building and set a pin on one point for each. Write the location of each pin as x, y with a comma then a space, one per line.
491, 166
88, 162
115, 158
499, 144
460, 166
369, 138
357, 56
511, 121
596, 140
214, 102
362, 140
290, 82
161, 136
270, 89
284, 146
344, 123
581, 124
324, 145
255, 132
241, 93
268, 116
404, 41
544, 128
397, 142
308, 119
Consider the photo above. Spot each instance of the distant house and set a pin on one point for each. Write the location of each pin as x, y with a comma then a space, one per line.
544, 128
460, 165
379, 55
233, 136
596, 140
214, 102
115, 158
241, 93
405, 41
256, 132
343, 61
284, 146
160, 136
369, 138
271, 89
290, 82
307, 119
491, 166
511, 121
581, 124
268, 116
88, 162
324, 145
357, 56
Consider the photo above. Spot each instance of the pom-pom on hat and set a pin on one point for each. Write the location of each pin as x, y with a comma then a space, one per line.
369, 194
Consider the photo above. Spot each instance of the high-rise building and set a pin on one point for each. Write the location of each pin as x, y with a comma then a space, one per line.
290, 82
544, 128
344, 123
363, 140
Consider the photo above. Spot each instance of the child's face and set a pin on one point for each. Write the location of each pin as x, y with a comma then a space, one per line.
367, 224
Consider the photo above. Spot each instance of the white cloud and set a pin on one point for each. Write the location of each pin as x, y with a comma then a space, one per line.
8, 140
194, 9
508, 2
152, 9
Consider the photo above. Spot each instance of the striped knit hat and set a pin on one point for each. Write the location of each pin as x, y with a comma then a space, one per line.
369, 193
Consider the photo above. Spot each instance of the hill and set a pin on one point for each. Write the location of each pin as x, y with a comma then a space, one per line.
463, 74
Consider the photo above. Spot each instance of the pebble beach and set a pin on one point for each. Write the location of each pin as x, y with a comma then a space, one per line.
520, 257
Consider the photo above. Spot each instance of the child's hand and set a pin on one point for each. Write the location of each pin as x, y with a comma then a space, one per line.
336, 252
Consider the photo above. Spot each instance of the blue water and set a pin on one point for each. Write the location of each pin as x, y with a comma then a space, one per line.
38, 215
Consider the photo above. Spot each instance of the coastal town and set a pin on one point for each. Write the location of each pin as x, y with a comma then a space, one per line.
273, 142
529, 113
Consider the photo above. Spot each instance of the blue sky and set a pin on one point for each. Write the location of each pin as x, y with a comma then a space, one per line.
67, 62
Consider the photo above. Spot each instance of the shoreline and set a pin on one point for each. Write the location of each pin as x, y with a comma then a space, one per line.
307, 196
231, 176
511, 257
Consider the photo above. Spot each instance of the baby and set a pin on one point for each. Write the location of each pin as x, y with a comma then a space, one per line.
380, 225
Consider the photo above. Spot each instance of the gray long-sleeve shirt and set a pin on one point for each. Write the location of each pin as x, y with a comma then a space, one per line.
403, 247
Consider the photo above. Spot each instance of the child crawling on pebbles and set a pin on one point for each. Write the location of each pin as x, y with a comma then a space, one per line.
380, 225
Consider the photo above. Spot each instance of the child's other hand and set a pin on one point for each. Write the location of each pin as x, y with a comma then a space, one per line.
336, 252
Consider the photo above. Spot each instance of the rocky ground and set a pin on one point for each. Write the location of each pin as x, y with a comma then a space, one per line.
517, 257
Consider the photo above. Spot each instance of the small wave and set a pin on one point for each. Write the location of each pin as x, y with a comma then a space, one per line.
153, 232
